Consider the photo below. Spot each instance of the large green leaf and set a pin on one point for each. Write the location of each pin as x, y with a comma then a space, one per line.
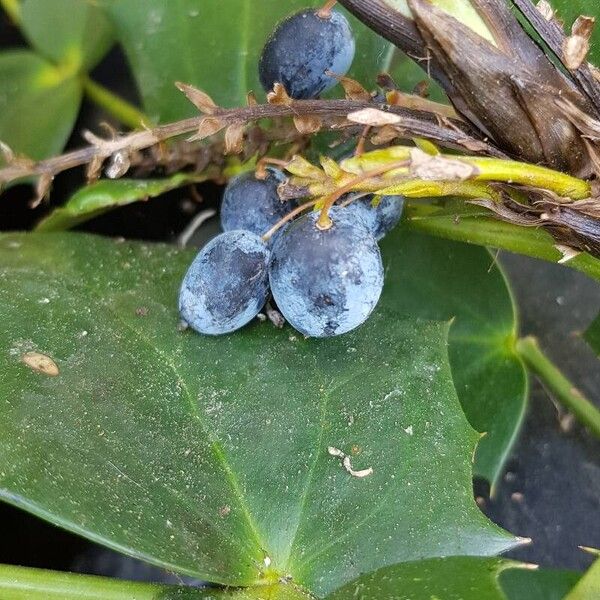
107, 194
69, 32
442, 280
213, 45
38, 104
208, 455
459, 578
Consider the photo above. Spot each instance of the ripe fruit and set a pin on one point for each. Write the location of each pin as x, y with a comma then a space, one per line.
227, 284
326, 282
380, 219
300, 50
252, 204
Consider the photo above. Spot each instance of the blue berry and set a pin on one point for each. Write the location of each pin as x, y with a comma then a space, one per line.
302, 48
252, 204
227, 284
327, 282
387, 215
380, 219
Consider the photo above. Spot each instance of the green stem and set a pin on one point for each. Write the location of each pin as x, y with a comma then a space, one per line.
12, 9
21, 583
495, 169
122, 110
498, 170
479, 229
565, 392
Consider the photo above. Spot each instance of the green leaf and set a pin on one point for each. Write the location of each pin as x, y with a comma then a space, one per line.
537, 584
100, 197
474, 226
442, 579
588, 586
212, 45
592, 335
38, 104
208, 455
73, 33
458, 578
441, 280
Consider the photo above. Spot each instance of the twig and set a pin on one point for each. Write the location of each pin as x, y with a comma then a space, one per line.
565, 392
412, 124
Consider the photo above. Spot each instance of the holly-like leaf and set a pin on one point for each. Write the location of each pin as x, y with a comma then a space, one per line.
209, 456
437, 279
38, 104
68, 32
105, 195
459, 578
214, 46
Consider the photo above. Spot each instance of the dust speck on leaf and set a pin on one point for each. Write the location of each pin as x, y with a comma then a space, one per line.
40, 363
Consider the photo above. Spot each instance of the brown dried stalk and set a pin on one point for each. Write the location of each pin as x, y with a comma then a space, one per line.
504, 84
450, 133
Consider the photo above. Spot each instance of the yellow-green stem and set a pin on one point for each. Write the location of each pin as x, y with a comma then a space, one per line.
22, 583
564, 391
508, 171
488, 170
120, 109
13, 9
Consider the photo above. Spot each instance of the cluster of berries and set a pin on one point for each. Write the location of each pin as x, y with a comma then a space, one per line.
325, 282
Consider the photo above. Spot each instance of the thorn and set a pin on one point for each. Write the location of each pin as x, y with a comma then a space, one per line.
590, 550
523, 540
